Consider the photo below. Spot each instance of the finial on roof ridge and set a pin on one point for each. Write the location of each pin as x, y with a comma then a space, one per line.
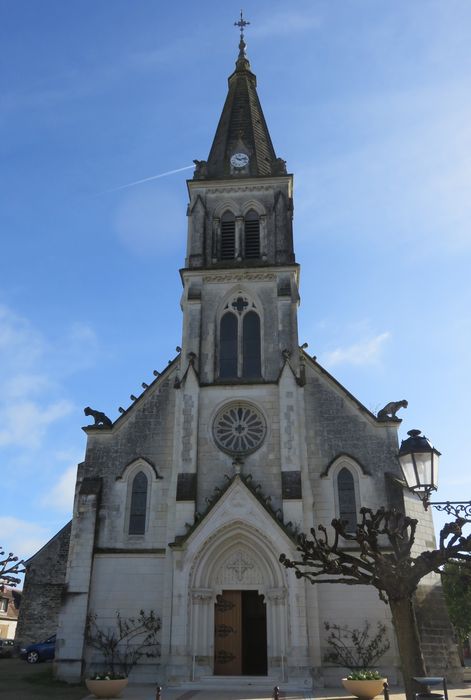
242, 62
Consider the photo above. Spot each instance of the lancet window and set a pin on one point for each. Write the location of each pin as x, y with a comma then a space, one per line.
239, 340
137, 513
346, 498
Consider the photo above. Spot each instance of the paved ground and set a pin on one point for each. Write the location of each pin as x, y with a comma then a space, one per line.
141, 692
22, 681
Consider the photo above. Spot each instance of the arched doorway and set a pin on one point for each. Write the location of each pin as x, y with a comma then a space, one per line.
240, 634
238, 605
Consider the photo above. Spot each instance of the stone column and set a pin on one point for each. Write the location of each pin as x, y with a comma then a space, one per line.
215, 248
277, 642
202, 631
73, 615
263, 237
239, 238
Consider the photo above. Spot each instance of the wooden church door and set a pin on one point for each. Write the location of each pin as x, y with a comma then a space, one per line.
240, 634
228, 634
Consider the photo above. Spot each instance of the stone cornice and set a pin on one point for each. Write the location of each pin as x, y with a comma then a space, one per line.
248, 184
237, 275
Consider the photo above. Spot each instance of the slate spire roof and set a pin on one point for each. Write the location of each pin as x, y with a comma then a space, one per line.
242, 129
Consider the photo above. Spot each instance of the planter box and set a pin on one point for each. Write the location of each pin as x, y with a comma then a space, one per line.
365, 690
106, 689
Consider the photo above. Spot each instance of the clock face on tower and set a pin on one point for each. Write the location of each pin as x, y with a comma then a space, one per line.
239, 160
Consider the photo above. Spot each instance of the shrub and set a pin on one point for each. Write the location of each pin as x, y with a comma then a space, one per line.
355, 648
125, 644
364, 675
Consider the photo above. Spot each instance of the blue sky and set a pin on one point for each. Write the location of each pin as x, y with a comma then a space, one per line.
368, 101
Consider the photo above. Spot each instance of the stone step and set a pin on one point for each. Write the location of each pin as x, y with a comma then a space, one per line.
255, 683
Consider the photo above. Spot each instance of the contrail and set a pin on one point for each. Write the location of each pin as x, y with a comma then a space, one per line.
146, 179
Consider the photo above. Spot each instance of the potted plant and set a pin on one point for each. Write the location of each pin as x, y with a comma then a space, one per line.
358, 651
122, 646
106, 684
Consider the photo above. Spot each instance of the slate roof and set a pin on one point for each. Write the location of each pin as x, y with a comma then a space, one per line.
242, 128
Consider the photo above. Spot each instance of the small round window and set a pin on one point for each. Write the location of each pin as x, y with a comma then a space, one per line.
239, 428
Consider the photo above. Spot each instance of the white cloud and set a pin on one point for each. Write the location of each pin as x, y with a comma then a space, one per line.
21, 385
22, 344
79, 348
365, 352
24, 423
22, 537
31, 396
61, 496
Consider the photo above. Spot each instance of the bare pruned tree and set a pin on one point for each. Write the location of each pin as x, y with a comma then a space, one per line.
10, 567
383, 559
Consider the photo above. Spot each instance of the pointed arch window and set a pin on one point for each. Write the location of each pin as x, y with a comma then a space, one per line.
228, 345
251, 350
252, 235
137, 514
228, 236
240, 348
346, 496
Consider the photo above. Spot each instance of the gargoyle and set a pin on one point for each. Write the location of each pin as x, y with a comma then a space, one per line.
279, 167
390, 410
101, 420
201, 169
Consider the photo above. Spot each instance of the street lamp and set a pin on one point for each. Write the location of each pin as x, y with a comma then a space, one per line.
419, 464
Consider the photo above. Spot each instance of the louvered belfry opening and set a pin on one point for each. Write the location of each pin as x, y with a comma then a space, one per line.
252, 235
228, 236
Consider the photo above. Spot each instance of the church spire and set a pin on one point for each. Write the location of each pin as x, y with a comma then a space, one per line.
242, 145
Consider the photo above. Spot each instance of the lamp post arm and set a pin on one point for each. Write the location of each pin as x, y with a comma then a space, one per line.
455, 508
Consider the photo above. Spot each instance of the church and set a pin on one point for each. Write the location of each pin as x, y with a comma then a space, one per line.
184, 504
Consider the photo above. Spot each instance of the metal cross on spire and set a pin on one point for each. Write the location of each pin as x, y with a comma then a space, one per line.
242, 23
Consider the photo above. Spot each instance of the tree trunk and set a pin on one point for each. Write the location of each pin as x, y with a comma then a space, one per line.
408, 641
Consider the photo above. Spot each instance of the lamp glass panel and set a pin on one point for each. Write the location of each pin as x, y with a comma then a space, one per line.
423, 462
407, 465
436, 458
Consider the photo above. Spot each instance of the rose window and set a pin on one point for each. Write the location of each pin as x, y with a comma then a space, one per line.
239, 429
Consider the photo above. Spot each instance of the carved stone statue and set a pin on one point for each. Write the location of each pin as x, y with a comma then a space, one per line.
101, 420
201, 169
279, 167
390, 410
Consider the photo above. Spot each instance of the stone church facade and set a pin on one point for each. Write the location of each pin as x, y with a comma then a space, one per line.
184, 504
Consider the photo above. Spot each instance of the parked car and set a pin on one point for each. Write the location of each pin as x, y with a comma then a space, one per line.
7, 648
40, 651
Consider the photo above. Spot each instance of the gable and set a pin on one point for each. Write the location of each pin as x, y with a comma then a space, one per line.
237, 505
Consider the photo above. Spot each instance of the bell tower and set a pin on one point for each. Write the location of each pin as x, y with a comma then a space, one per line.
240, 280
